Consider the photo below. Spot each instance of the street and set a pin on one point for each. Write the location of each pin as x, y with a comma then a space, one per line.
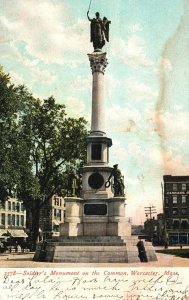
24, 260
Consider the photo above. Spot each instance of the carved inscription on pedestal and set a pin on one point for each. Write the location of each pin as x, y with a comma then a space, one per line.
95, 209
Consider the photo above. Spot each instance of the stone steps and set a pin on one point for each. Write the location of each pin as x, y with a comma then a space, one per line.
87, 241
98, 249
86, 238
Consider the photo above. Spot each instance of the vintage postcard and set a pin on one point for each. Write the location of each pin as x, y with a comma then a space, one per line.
94, 164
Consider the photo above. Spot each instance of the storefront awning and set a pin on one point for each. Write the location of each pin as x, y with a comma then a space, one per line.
18, 233
3, 232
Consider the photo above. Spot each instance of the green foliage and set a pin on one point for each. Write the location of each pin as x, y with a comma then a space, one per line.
38, 141
177, 252
8, 134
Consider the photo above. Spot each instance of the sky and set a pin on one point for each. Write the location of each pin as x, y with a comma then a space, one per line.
44, 45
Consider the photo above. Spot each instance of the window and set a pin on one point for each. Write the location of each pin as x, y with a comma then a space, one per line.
18, 206
3, 219
9, 219
17, 220
13, 220
168, 224
176, 224
59, 214
174, 199
175, 211
2, 204
166, 200
183, 186
9, 205
183, 211
57, 201
183, 199
174, 187
22, 207
56, 228
13, 206
184, 224
22, 220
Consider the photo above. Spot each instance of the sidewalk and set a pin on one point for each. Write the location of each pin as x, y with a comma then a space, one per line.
24, 260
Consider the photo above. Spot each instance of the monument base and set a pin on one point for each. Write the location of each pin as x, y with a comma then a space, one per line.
87, 249
86, 237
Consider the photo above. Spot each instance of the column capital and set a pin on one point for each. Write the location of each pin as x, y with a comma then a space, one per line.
98, 62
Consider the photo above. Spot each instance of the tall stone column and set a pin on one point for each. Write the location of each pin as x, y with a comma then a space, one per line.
98, 63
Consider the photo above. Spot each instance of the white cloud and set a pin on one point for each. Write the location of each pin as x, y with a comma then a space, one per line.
15, 78
110, 84
82, 83
166, 64
43, 76
43, 27
123, 118
118, 151
132, 51
173, 124
175, 165
134, 148
133, 28
76, 108
139, 91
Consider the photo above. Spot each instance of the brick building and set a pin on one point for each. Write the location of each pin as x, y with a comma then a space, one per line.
176, 208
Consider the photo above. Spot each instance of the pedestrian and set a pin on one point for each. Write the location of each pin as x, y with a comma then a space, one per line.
141, 251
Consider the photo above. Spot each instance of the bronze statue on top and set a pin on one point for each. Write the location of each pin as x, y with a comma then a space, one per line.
99, 31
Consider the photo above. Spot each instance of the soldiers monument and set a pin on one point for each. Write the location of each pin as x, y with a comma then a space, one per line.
95, 227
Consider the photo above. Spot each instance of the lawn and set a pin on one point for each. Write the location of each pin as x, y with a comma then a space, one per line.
177, 252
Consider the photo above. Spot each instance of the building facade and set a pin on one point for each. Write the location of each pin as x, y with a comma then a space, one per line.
12, 218
176, 208
51, 216
150, 230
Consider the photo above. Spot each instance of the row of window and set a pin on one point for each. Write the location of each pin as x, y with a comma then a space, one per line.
12, 220
58, 201
177, 224
175, 211
13, 206
175, 199
176, 185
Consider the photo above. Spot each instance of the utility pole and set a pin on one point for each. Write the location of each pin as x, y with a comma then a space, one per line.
150, 210
166, 240
150, 227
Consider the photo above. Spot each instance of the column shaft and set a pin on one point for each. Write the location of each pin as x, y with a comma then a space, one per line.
98, 63
98, 109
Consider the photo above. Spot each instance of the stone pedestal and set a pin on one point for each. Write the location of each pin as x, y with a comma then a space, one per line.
95, 217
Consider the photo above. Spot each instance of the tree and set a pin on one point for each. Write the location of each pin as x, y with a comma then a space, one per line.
9, 104
43, 143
